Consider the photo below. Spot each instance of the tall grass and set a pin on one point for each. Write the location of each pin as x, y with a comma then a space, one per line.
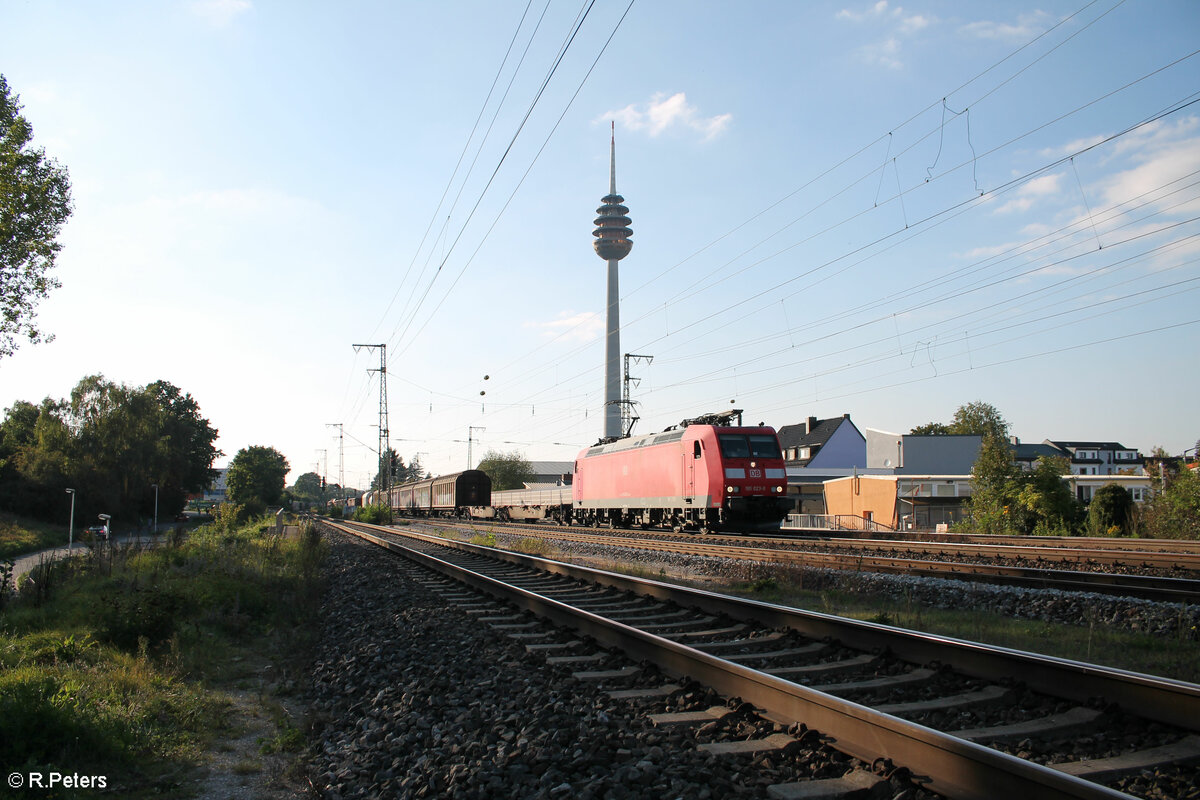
107, 665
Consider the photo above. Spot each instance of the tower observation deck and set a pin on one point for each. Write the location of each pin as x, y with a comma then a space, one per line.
612, 244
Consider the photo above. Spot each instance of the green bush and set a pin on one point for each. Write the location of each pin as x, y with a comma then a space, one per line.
149, 613
1110, 512
374, 515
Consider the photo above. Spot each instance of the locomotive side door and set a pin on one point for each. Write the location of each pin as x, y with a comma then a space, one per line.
689, 473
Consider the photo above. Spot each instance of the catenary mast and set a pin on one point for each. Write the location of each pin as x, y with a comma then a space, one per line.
612, 244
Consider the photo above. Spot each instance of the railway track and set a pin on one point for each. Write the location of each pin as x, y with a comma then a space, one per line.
786, 551
1099, 543
966, 720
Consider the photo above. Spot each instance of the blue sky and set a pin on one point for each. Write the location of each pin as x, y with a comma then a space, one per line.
877, 209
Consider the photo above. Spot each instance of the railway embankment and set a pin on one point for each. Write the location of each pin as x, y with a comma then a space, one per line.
419, 692
1125, 632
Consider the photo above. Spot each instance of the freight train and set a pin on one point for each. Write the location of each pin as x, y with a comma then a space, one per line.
704, 474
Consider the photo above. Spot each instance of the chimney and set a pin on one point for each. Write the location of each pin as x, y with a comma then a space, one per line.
812, 424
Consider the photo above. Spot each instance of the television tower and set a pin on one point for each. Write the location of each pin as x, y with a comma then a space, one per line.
612, 244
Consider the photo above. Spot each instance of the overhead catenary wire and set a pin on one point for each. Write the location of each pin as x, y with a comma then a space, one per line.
562, 384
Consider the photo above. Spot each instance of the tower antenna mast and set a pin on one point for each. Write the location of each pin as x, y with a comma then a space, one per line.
612, 243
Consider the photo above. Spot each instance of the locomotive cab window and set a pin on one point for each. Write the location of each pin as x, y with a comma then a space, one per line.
764, 446
696, 451
734, 445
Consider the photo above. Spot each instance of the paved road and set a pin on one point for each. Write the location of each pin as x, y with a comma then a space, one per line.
24, 563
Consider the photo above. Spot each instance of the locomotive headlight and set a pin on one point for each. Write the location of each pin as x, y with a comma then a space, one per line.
732, 489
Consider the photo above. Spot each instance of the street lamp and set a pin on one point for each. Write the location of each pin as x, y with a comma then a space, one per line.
107, 532
71, 528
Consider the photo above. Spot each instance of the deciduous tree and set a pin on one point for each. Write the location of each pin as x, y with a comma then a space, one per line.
977, 418
35, 202
110, 442
1046, 500
995, 483
1174, 513
507, 470
256, 476
981, 419
308, 487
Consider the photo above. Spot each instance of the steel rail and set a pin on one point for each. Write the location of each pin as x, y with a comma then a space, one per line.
1150, 587
1184, 557
950, 766
1100, 543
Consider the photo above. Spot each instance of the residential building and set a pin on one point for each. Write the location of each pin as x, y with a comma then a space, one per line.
216, 492
1084, 486
1100, 458
818, 449
1027, 455
819, 443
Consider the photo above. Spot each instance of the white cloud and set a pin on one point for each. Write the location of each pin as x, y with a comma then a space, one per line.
664, 113
1030, 192
220, 13
1072, 147
1026, 27
882, 54
886, 53
583, 327
1162, 155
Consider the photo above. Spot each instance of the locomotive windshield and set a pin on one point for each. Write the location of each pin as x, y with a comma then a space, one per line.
764, 446
735, 445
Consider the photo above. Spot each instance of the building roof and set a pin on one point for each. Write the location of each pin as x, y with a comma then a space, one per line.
1032, 452
552, 467
811, 433
1088, 445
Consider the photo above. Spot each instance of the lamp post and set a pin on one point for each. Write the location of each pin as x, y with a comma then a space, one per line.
71, 527
107, 531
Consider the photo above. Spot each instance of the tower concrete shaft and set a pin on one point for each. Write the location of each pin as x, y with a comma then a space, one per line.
612, 244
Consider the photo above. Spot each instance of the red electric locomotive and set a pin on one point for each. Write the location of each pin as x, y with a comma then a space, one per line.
704, 474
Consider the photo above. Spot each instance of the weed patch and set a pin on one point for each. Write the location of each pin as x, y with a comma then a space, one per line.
113, 671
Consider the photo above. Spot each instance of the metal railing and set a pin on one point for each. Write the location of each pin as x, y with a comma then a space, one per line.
833, 522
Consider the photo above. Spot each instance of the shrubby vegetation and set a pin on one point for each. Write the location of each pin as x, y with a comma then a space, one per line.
105, 659
374, 515
1111, 512
1174, 512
